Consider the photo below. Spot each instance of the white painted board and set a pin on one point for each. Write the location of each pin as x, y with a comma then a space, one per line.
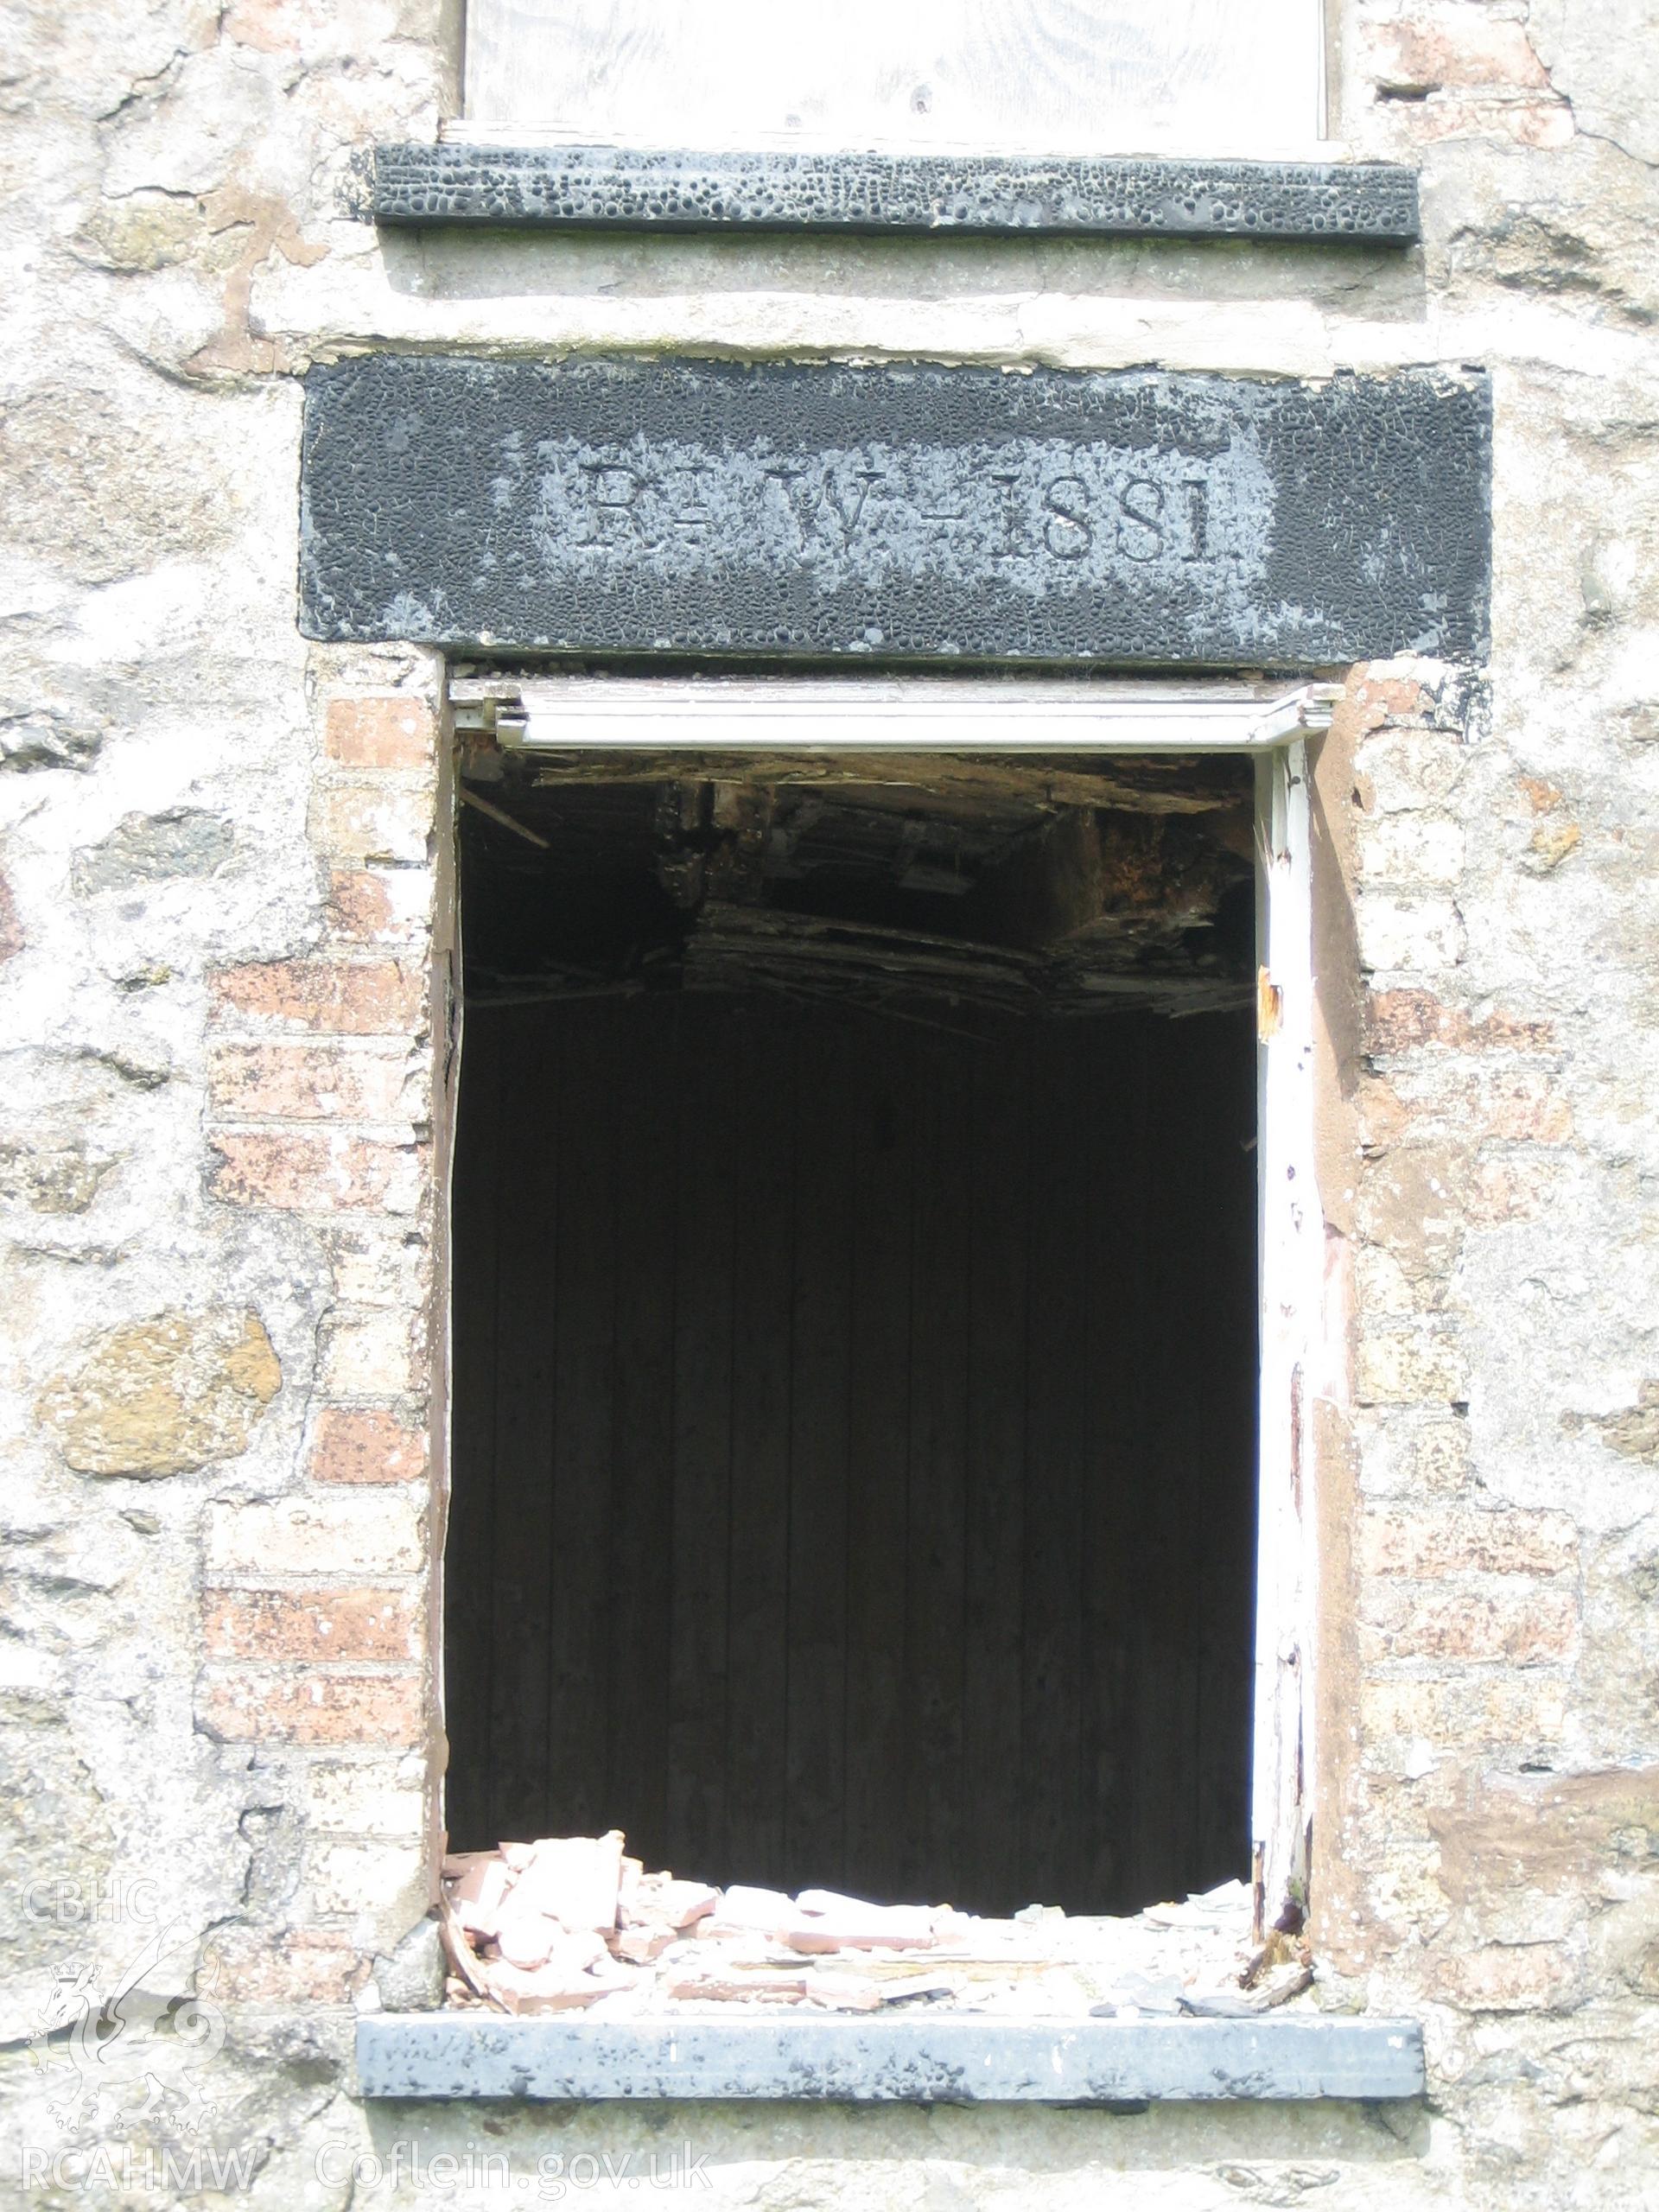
1030, 77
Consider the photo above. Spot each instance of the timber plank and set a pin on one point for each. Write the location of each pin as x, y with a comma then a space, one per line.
703, 1437
583, 1426
938, 1421
821, 1303
878, 1477
762, 1397
994, 1504
639, 1567
526, 1231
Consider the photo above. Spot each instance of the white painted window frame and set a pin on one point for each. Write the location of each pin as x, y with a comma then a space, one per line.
551, 715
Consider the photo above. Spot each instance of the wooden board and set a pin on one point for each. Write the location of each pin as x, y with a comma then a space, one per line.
855, 1446
1015, 76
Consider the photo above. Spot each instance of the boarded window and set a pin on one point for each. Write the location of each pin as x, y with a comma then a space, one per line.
1012, 76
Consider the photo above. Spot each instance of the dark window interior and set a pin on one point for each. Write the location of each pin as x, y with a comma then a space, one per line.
855, 1323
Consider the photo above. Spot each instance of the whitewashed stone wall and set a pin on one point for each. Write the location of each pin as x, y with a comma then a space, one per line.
220, 883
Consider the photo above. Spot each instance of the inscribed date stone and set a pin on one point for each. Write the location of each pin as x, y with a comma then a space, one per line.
894, 513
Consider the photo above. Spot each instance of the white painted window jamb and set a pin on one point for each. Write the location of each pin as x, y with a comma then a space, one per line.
1290, 1247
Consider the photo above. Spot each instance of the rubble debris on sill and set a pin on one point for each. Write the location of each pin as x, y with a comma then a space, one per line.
571, 1923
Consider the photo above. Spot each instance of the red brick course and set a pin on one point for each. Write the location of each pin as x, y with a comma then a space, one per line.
1504, 1977
1525, 1624
366, 1444
362, 910
303, 1966
353, 998
1384, 699
308, 1173
390, 733
311, 1624
311, 1082
1401, 1021
1444, 47
249, 1705
373, 821
1434, 1544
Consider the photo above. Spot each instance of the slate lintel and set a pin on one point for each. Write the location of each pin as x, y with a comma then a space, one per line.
1368, 203
785, 2059
902, 513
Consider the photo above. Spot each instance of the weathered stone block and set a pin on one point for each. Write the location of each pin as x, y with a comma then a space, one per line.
380, 1262
151, 849
11, 929
1524, 119
1633, 1431
1528, 1711
1410, 1202
1587, 47
411, 1977
1515, 1105
1393, 1707
51, 1178
1415, 850
166, 1395
1403, 770
1423, 934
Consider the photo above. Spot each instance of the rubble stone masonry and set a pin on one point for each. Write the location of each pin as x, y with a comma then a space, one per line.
224, 974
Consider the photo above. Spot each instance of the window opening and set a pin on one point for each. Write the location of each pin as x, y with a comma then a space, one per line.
855, 1466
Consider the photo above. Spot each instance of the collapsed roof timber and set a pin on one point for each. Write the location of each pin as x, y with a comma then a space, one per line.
1074, 885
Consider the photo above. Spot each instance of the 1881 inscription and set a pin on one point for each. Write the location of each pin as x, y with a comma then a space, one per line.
677, 507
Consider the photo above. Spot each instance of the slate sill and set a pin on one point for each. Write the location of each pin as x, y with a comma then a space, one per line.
785, 2059
600, 188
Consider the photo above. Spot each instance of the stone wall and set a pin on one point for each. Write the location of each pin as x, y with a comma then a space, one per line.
224, 1017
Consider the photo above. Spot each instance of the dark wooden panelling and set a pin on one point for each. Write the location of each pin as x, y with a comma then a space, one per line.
758, 1535
854, 1463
